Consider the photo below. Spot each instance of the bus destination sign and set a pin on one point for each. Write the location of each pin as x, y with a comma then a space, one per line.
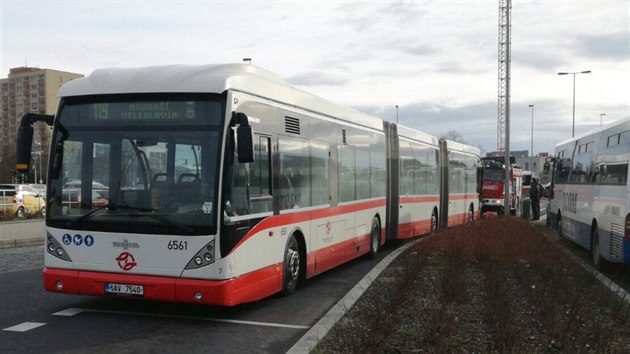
143, 111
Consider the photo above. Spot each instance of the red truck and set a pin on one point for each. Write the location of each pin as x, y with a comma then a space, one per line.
493, 186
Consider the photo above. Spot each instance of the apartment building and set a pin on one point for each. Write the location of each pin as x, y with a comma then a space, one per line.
28, 90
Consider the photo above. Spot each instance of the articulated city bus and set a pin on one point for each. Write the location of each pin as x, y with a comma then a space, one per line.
590, 200
224, 184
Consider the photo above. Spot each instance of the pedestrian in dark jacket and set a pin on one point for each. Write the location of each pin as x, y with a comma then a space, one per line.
534, 197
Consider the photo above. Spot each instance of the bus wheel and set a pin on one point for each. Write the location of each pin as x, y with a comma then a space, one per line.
471, 215
291, 266
20, 214
434, 221
375, 239
598, 262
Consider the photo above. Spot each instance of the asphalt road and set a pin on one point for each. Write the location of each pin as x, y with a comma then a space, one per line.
32, 320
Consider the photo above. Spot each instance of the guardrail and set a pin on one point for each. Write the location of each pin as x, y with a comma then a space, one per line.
8, 207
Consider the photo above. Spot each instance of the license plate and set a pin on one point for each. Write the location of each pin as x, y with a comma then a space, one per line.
124, 289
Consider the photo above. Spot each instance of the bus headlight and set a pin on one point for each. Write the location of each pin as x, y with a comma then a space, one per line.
204, 257
54, 248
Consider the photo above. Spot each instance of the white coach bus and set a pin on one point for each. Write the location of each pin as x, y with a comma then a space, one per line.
222, 184
590, 198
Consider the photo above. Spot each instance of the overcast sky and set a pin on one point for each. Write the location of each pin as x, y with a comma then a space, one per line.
437, 60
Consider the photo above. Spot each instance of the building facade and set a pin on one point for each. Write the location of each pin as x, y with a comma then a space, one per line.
28, 90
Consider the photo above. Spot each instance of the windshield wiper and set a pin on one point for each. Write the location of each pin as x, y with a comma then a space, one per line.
143, 212
109, 206
163, 220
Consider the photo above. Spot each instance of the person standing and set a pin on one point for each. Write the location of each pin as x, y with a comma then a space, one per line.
534, 197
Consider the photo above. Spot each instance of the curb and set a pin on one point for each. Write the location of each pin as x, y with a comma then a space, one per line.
314, 335
23, 242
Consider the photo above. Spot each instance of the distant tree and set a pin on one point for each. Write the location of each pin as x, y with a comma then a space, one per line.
453, 135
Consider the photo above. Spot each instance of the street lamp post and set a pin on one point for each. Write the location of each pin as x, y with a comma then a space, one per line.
601, 118
531, 156
396, 114
577, 72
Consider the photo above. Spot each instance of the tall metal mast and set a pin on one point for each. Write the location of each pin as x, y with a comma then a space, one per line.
503, 106
505, 14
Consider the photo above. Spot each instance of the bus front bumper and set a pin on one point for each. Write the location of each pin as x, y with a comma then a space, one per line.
249, 287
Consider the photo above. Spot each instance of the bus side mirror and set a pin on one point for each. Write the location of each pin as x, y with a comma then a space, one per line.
25, 139
244, 137
245, 146
23, 154
546, 168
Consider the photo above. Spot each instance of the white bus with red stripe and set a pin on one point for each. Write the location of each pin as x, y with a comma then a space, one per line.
226, 185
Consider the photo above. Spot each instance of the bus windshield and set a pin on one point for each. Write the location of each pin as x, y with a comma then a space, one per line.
139, 164
493, 174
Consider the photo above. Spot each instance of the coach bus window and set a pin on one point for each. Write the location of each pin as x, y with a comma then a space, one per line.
613, 173
294, 177
319, 173
346, 174
562, 171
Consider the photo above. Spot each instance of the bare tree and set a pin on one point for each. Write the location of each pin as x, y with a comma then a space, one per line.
453, 135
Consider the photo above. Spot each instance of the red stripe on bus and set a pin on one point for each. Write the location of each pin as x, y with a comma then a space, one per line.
297, 217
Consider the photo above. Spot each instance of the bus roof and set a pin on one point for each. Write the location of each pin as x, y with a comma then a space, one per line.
413, 134
453, 145
596, 130
214, 78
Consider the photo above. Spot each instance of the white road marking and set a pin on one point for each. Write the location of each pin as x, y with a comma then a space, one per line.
23, 327
74, 311
69, 312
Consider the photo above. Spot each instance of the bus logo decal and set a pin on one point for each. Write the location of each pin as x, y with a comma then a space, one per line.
126, 261
125, 244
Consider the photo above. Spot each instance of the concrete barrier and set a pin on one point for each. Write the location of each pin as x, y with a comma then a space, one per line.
22, 233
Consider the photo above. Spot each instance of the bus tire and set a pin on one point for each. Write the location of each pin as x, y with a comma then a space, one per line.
434, 220
598, 262
291, 266
375, 238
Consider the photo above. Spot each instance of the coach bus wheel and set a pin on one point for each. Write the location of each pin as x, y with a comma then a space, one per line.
598, 262
434, 221
291, 266
471, 215
375, 239
548, 221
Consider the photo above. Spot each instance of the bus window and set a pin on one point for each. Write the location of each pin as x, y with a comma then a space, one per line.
294, 176
319, 173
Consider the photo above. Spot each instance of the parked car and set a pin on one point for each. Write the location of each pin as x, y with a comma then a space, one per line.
72, 198
21, 201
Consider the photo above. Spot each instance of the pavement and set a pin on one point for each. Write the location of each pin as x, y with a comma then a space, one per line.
22, 233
